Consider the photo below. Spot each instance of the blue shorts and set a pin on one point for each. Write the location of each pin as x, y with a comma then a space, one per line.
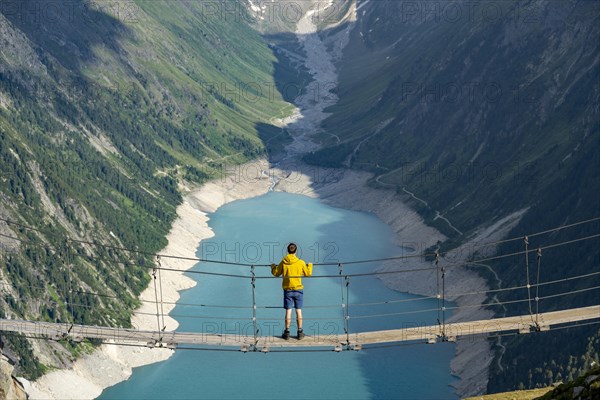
293, 299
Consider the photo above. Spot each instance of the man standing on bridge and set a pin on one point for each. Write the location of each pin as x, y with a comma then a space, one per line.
292, 269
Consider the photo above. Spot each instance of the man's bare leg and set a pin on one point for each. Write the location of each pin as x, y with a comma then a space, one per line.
288, 318
298, 317
299, 320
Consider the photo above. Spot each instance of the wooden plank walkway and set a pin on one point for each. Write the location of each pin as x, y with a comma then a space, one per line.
430, 333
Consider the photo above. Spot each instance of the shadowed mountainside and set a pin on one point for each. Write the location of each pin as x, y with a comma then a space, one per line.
473, 112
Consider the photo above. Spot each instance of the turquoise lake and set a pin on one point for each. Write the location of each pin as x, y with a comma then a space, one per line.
257, 231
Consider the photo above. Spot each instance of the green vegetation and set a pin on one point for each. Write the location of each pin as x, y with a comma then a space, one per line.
479, 118
588, 384
568, 354
29, 366
105, 111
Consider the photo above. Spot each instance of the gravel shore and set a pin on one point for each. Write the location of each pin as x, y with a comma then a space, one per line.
347, 189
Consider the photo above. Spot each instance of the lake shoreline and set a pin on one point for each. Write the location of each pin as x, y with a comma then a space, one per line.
349, 189
111, 364
343, 188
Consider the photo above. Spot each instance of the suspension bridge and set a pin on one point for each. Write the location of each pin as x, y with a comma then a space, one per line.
336, 342
260, 338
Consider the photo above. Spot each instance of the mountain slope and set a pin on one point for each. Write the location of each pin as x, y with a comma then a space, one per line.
468, 107
475, 111
108, 112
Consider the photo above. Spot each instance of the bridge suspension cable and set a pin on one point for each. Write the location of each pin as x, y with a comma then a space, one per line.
351, 262
420, 298
344, 279
372, 273
347, 317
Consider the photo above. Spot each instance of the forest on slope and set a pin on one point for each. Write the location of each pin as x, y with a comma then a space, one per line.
109, 111
474, 111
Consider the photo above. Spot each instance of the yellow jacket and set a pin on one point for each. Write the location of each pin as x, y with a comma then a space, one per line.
292, 268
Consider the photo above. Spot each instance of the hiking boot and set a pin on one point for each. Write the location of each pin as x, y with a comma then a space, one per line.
300, 334
286, 335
